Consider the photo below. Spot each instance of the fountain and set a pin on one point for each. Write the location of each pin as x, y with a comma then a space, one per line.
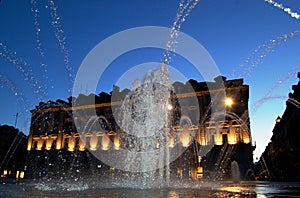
145, 138
235, 172
146, 117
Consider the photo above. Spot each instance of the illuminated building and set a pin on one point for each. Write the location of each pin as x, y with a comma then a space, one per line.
53, 132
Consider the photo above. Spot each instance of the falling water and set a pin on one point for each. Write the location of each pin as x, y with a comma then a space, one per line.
38, 30
184, 10
267, 96
22, 101
145, 118
259, 102
235, 172
285, 9
259, 53
61, 38
282, 79
22, 66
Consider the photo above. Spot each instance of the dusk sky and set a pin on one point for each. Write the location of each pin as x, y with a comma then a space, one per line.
229, 30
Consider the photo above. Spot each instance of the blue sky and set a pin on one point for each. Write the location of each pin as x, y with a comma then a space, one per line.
229, 30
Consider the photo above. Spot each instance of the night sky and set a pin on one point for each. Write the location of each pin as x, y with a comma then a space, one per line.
39, 53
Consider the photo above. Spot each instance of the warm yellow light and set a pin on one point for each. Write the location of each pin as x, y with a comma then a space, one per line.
81, 145
232, 136
49, 143
29, 144
228, 101
199, 169
93, 142
40, 144
17, 175
246, 140
246, 137
5, 172
59, 141
171, 141
117, 142
218, 139
179, 172
199, 158
71, 143
22, 175
185, 138
199, 172
201, 138
105, 142
170, 107
278, 119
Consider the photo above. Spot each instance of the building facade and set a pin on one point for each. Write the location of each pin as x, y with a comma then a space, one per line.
218, 132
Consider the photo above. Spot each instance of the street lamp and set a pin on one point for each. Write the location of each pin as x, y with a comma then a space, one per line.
228, 102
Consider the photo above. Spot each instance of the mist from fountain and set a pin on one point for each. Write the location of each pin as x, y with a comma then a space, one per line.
145, 117
235, 172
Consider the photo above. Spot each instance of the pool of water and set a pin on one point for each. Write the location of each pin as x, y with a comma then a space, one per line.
185, 190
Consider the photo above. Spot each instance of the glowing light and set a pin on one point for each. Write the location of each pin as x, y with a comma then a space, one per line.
81, 145
199, 172
105, 141
5, 172
218, 139
39, 144
199, 158
169, 107
71, 144
171, 141
59, 141
93, 142
278, 119
29, 144
17, 175
179, 172
22, 175
117, 142
246, 137
228, 101
185, 138
201, 138
49, 143
199, 169
232, 139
